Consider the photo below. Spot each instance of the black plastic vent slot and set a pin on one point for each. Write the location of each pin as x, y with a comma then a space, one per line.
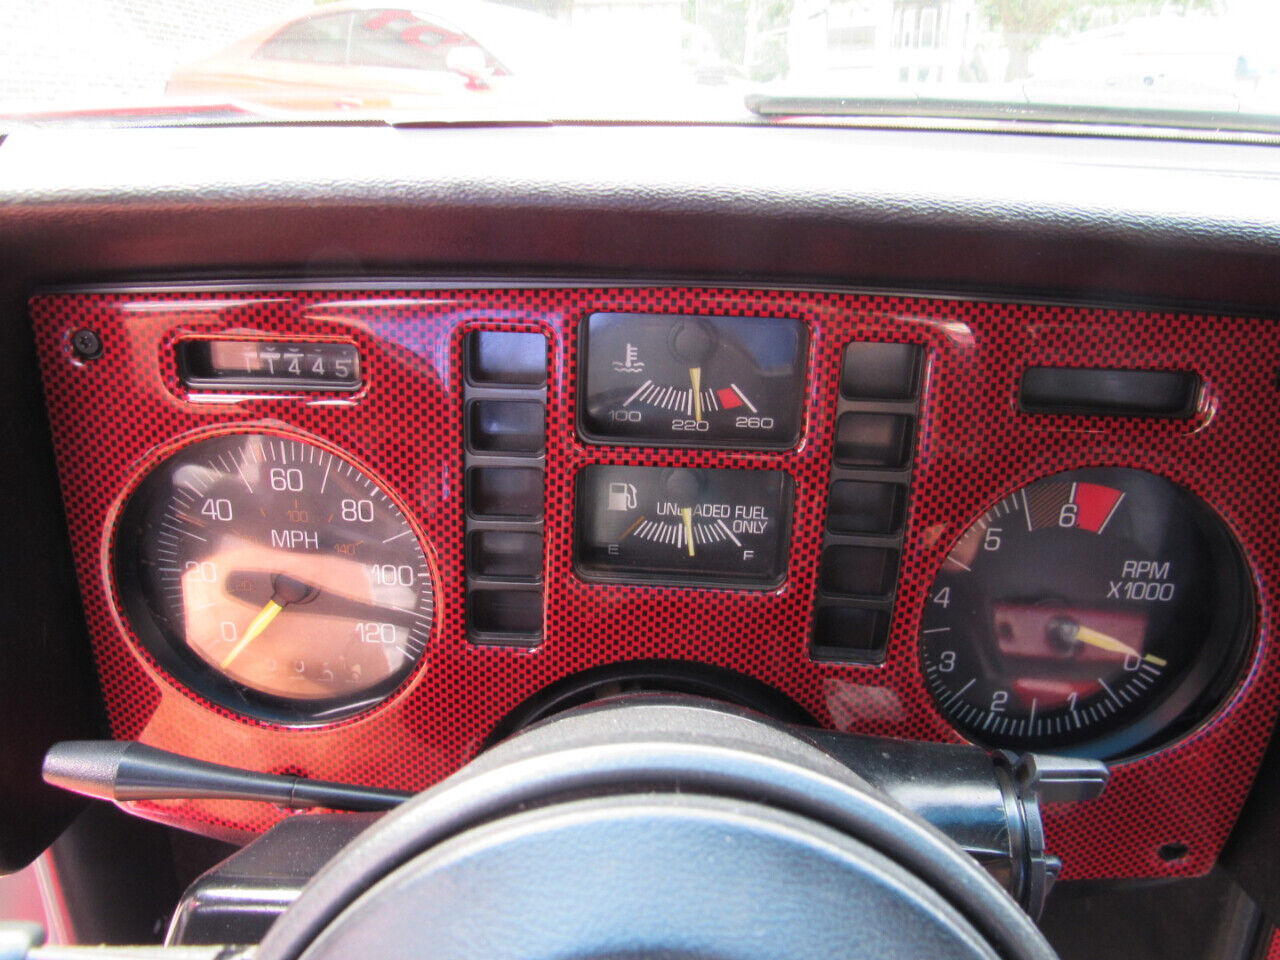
1079, 391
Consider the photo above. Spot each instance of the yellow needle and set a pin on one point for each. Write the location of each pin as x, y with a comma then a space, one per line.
1104, 642
258, 624
686, 514
695, 376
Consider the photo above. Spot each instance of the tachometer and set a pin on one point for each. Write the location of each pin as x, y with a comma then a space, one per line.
1096, 612
274, 577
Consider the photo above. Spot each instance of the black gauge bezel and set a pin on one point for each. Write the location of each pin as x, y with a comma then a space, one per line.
593, 573
583, 391
178, 662
1201, 692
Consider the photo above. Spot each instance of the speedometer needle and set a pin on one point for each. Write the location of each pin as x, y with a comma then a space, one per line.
256, 626
287, 591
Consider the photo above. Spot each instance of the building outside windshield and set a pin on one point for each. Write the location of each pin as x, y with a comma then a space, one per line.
627, 59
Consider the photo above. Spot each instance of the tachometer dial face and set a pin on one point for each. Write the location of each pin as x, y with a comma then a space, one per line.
693, 381
1097, 612
683, 526
274, 577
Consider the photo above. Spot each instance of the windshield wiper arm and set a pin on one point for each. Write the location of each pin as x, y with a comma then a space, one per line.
775, 106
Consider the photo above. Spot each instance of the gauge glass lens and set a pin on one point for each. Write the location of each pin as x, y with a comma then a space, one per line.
684, 526
693, 381
1096, 612
274, 577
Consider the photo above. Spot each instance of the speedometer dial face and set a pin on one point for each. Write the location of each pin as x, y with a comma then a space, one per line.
1097, 612
274, 577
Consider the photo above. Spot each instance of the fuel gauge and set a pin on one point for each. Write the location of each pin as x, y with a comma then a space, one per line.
685, 526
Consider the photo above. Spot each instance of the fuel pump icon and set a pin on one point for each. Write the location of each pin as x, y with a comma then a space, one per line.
621, 497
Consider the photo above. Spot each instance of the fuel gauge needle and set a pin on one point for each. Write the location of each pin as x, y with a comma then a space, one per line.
287, 591
686, 514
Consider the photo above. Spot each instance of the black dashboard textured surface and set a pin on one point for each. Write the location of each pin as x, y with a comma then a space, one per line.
1072, 217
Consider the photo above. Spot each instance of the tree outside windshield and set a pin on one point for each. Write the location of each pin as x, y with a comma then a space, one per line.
652, 59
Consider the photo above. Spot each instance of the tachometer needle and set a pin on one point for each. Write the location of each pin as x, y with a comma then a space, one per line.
1103, 641
287, 591
695, 377
686, 514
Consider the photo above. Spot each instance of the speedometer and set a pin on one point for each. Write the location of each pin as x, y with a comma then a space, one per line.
275, 577
1095, 612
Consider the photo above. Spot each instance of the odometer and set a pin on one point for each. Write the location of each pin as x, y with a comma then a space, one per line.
274, 577
1096, 612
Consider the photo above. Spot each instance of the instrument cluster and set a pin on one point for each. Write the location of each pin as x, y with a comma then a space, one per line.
353, 532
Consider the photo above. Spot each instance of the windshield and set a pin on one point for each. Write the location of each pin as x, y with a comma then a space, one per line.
1118, 61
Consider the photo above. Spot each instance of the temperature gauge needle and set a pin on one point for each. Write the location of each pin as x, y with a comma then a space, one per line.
686, 515
287, 591
695, 377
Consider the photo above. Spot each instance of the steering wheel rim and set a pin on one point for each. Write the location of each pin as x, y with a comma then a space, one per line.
663, 746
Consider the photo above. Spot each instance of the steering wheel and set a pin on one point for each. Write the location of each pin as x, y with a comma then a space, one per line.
653, 827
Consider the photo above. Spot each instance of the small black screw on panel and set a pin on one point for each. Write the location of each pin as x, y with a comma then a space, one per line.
1171, 852
86, 344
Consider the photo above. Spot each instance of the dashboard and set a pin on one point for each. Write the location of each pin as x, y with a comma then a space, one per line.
356, 531
1050, 359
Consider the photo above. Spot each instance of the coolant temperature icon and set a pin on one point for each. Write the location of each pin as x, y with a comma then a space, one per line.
632, 362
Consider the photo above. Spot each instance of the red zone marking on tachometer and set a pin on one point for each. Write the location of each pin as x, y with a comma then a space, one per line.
1094, 504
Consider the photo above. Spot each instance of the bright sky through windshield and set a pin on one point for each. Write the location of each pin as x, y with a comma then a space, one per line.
631, 58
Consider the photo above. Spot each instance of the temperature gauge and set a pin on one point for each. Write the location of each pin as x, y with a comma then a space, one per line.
684, 526
693, 381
